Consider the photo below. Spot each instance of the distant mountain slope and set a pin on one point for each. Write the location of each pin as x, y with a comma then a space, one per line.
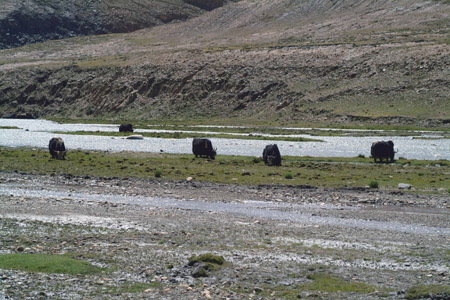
30, 21
355, 62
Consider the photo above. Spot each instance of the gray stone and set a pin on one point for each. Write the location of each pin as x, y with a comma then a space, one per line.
404, 186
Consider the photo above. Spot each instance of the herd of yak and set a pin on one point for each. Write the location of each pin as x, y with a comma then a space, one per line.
202, 147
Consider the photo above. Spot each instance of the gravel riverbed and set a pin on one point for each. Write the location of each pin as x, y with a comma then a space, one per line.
274, 239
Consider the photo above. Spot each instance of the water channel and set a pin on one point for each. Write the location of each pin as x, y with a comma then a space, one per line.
37, 133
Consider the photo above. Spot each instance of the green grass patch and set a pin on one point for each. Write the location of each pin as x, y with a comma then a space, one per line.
331, 284
9, 127
431, 138
184, 135
311, 171
47, 264
320, 282
423, 291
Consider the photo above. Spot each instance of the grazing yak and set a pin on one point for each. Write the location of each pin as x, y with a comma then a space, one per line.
57, 148
203, 147
381, 150
271, 155
126, 128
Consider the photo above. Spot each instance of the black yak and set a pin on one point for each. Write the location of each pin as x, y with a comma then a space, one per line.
126, 128
57, 148
203, 147
381, 150
271, 155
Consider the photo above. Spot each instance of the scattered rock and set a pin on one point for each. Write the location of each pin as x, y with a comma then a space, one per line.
404, 186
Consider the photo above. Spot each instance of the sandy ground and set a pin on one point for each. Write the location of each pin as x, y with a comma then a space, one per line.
272, 238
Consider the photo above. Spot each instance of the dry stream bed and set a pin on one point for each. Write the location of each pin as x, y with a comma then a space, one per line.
278, 241
144, 249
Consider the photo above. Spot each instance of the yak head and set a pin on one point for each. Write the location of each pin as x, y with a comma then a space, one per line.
62, 154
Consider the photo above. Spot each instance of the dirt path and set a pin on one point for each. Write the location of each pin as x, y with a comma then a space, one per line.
275, 239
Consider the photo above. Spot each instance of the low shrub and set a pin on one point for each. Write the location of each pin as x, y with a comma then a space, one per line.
373, 184
205, 263
158, 173
288, 176
207, 257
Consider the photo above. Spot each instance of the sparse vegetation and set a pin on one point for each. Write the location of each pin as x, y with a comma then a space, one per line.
331, 284
130, 288
423, 291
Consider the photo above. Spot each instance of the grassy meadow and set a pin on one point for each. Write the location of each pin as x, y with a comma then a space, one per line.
422, 175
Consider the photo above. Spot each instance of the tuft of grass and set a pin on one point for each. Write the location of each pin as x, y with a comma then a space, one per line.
327, 283
158, 173
373, 184
423, 291
207, 263
47, 264
288, 176
207, 257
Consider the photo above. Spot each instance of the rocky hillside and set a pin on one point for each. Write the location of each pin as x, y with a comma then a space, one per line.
290, 62
30, 21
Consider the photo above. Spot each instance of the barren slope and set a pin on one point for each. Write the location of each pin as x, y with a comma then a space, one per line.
29, 21
296, 62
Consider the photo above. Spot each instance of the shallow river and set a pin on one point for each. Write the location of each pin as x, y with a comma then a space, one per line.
37, 133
